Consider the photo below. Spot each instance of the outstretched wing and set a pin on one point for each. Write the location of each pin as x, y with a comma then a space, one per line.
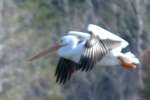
94, 50
81, 35
105, 34
64, 70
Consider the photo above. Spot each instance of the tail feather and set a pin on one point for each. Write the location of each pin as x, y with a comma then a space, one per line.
127, 63
132, 58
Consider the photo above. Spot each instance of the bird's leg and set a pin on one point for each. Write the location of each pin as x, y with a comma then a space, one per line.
126, 63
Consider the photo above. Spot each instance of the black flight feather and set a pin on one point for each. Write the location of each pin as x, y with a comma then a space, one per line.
64, 70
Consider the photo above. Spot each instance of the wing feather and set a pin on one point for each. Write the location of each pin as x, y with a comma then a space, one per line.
79, 34
88, 63
95, 49
64, 70
92, 60
105, 34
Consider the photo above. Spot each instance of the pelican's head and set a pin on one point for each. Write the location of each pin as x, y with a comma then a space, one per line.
66, 42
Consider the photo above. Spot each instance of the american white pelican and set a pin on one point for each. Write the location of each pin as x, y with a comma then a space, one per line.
81, 51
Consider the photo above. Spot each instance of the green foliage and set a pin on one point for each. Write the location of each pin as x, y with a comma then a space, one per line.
45, 13
76, 2
53, 97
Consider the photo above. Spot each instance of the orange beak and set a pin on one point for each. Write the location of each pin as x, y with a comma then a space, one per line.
45, 52
126, 63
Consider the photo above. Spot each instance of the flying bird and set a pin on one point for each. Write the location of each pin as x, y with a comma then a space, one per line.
83, 50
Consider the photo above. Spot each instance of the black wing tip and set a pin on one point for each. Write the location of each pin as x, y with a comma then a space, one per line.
63, 78
64, 70
62, 81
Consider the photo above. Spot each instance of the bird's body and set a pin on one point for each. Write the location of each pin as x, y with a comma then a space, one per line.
72, 51
81, 51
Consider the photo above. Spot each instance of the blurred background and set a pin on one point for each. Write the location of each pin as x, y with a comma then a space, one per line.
29, 26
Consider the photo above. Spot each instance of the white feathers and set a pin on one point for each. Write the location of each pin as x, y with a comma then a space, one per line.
132, 57
101, 32
81, 51
82, 35
74, 50
104, 34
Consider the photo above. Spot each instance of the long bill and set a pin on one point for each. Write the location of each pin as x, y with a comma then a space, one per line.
45, 52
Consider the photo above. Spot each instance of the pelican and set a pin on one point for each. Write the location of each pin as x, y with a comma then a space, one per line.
83, 50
